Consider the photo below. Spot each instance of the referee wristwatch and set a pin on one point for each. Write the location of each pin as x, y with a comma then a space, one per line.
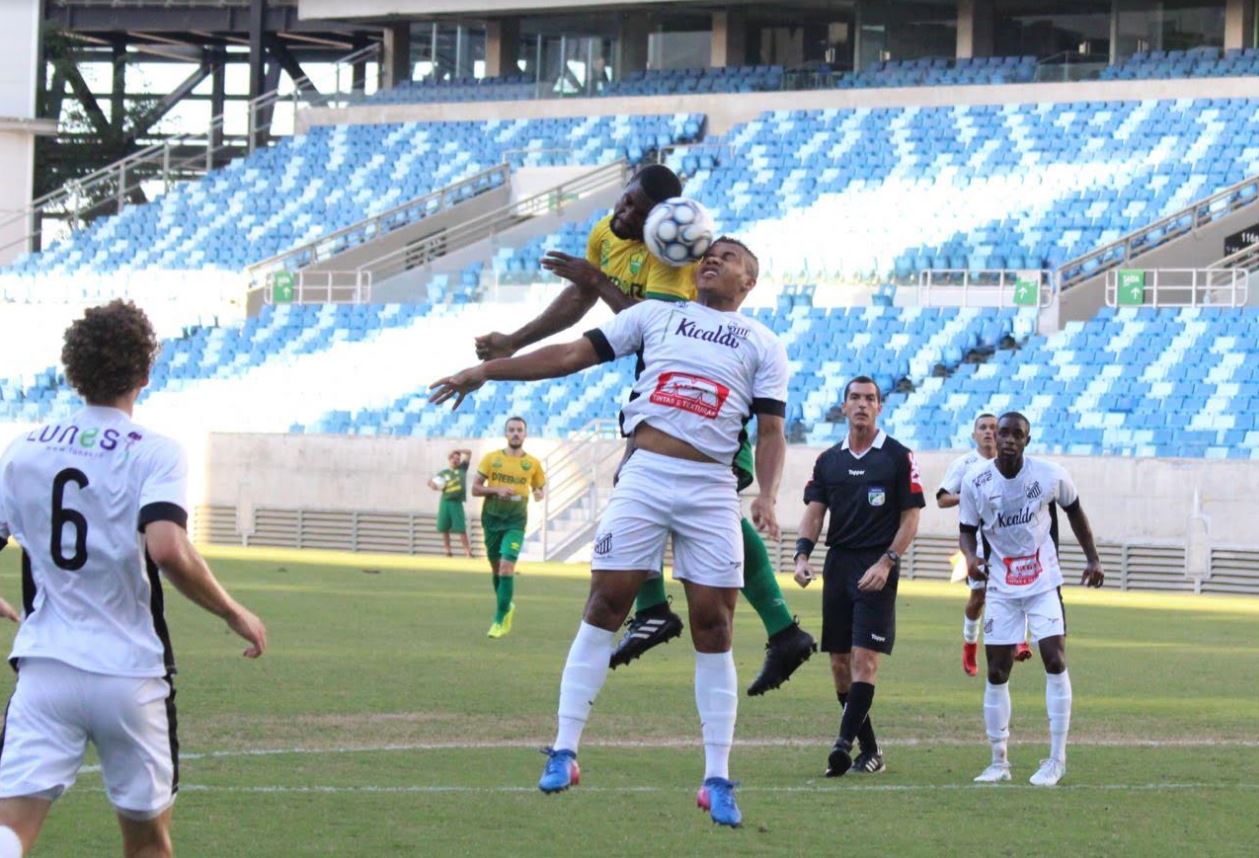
893, 556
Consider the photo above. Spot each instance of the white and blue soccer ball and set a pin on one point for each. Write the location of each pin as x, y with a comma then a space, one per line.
678, 231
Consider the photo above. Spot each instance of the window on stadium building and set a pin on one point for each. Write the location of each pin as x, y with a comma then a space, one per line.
900, 30
1051, 28
1177, 25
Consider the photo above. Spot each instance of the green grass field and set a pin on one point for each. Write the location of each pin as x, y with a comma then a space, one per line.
383, 722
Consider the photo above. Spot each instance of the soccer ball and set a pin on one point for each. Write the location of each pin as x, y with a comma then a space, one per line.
439, 481
678, 231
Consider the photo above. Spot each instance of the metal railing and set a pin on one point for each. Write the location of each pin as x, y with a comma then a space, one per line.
1130, 566
490, 224
1247, 259
327, 246
984, 288
1180, 287
579, 472
1123, 250
322, 287
189, 156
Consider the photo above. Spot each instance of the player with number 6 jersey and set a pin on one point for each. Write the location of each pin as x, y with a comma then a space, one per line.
98, 503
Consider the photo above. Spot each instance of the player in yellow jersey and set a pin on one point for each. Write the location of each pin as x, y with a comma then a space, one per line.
506, 478
620, 271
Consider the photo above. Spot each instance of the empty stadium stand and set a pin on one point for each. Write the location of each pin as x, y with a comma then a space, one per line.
324, 180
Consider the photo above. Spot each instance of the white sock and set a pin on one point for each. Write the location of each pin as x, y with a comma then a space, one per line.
1058, 704
717, 699
10, 843
970, 629
584, 673
997, 720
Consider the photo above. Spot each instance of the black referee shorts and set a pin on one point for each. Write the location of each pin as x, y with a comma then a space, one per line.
850, 617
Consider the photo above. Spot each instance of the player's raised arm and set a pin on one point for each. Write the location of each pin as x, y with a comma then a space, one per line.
566, 310
170, 548
550, 362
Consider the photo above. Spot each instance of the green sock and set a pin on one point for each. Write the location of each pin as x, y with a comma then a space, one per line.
506, 587
651, 594
495, 580
760, 587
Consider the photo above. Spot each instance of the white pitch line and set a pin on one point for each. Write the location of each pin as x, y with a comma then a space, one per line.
435, 789
636, 744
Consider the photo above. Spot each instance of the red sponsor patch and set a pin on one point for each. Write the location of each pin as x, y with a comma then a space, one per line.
693, 393
1021, 571
915, 481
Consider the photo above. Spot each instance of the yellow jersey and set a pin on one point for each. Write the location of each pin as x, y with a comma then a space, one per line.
635, 271
521, 474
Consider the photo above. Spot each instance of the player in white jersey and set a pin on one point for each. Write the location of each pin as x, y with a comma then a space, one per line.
98, 504
707, 371
984, 434
1013, 499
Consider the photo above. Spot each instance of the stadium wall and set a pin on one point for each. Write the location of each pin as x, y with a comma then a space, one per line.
728, 109
1146, 501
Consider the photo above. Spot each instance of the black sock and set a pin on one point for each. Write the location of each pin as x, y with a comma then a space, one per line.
866, 734
856, 711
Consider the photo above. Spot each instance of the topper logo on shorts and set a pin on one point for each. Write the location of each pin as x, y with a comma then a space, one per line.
693, 393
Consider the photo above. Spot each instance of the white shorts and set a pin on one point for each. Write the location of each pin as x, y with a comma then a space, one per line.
696, 502
57, 709
1008, 619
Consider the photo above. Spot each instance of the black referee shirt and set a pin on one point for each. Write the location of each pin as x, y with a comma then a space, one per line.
865, 495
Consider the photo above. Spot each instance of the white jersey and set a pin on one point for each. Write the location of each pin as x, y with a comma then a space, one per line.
952, 484
1018, 523
705, 372
957, 470
77, 497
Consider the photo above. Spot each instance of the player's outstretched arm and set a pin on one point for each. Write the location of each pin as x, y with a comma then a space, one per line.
549, 362
588, 278
1093, 575
771, 452
566, 310
171, 550
947, 500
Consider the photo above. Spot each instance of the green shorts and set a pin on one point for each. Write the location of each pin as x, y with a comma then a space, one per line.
503, 544
450, 517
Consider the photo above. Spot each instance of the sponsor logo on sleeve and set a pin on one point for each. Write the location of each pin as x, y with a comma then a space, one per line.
915, 479
693, 393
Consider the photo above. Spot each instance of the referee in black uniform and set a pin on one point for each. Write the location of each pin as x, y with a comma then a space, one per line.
870, 486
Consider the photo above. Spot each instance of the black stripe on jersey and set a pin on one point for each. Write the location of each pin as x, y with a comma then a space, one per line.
172, 728
157, 606
1053, 528
772, 407
28, 585
163, 511
1063, 605
602, 347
